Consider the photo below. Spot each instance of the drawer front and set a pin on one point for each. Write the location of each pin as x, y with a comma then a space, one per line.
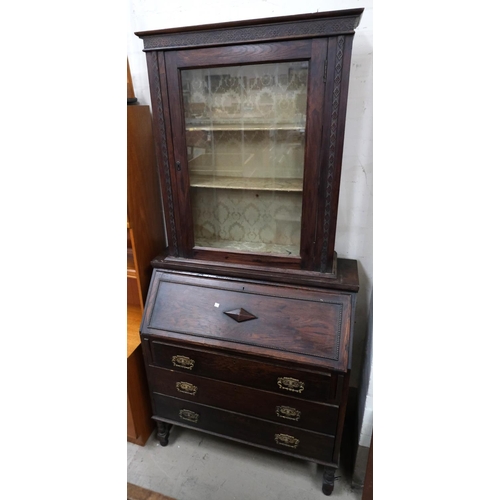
251, 430
279, 408
314, 386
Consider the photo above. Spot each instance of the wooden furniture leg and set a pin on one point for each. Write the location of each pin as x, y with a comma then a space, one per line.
163, 432
328, 480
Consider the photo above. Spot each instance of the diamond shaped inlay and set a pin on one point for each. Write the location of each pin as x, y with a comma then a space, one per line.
240, 315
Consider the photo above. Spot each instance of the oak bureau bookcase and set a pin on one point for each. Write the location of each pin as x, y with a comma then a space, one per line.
247, 328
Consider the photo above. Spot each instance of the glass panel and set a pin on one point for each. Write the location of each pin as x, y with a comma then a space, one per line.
245, 137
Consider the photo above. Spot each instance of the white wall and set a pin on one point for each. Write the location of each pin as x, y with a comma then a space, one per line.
365, 389
354, 231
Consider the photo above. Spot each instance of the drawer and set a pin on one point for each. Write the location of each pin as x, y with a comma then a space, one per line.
311, 385
279, 437
279, 408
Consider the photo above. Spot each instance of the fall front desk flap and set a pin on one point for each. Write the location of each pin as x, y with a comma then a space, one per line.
280, 322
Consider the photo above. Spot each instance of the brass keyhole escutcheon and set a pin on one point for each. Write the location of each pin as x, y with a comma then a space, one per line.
183, 362
286, 440
186, 388
291, 384
288, 412
189, 415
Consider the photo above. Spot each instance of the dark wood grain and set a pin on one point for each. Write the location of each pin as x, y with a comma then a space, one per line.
212, 255
162, 130
336, 147
323, 144
239, 370
252, 430
342, 415
319, 24
178, 159
309, 325
243, 54
346, 278
339, 57
325, 186
314, 416
240, 344
315, 93
260, 21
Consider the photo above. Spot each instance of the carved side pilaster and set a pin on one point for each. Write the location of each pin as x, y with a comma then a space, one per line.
332, 150
164, 154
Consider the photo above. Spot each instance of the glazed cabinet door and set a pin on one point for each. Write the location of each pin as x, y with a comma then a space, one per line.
246, 131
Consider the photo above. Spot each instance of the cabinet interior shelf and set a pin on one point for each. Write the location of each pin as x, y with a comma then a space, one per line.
246, 246
226, 127
242, 183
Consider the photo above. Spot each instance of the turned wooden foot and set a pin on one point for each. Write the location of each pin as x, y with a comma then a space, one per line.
163, 432
328, 479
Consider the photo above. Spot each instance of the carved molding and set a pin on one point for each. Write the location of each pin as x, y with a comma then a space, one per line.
164, 153
247, 34
331, 155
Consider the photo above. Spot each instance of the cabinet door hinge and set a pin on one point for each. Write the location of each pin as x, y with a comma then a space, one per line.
325, 70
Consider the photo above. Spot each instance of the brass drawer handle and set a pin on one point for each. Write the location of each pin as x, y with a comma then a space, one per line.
186, 388
189, 415
290, 384
183, 362
286, 440
288, 413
